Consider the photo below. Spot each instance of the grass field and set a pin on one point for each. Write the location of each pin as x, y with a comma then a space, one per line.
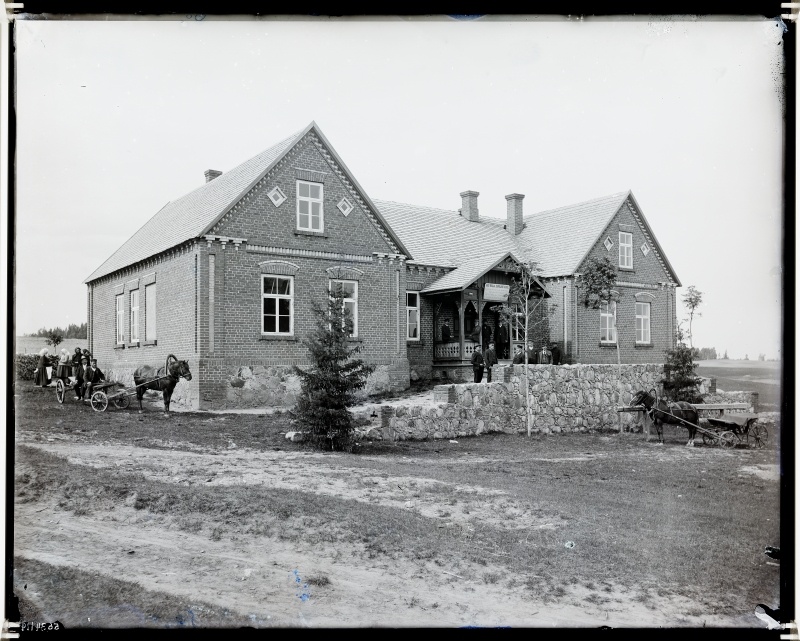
220, 520
763, 377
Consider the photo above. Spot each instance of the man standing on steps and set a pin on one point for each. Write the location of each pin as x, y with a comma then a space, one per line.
489, 359
477, 364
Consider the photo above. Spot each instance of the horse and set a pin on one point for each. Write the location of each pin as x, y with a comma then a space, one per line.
163, 378
676, 413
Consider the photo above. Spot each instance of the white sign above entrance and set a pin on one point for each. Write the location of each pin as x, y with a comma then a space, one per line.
492, 291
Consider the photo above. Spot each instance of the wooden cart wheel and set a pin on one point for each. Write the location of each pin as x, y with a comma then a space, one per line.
61, 390
758, 435
728, 440
99, 401
122, 402
709, 438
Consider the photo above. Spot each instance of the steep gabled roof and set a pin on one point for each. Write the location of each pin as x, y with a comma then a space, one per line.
195, 213
468, 272
444, 237
559, 239
190, 215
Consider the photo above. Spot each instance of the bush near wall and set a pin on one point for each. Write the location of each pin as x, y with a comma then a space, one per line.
25, 365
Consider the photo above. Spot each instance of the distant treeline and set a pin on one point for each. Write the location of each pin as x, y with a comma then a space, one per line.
707, 354
72, 331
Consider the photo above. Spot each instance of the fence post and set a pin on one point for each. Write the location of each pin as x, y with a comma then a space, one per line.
754, 401
712, 385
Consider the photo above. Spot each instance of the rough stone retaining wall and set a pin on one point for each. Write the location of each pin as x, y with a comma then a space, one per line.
566, 398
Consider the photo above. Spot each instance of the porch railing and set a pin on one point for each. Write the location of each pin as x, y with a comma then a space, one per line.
450, 350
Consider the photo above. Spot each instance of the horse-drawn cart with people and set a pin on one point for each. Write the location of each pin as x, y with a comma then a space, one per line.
146, 377
726, 430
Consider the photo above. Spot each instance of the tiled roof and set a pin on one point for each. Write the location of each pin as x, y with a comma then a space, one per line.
189, 216
443, 237
559, 239
466, 273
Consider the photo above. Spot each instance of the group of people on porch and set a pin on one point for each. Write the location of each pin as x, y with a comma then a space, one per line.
548, 354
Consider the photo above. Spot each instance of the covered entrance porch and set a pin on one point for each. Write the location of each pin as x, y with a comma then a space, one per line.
464, 304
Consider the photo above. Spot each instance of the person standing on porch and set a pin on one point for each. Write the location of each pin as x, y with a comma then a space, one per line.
545, 356
486, 334
446, 331
519, 355
555, 350
502, 341
477, 363
475, 335
490, 358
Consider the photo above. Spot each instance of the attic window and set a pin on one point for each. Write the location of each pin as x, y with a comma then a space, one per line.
344, 206
277, 196
645, 249
608, 243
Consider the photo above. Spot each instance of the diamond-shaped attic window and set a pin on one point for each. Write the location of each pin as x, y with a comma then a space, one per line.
344, 206
645, 249
608, 244
277, 196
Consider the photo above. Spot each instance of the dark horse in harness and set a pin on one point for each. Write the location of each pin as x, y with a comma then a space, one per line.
676, 413
163, 378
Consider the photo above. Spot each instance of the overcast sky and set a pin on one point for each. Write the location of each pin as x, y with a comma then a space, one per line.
116, 118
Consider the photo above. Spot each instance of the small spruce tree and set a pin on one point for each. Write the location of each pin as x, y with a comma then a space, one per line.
680, 382
328, 387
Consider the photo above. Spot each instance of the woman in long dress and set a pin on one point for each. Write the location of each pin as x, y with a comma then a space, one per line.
40, 377
64, 366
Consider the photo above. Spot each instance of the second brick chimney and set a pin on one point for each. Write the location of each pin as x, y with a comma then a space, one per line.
211, 174
469, 206
514, 213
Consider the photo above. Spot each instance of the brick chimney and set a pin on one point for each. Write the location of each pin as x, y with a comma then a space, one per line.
469, 206
514, 213
211, 174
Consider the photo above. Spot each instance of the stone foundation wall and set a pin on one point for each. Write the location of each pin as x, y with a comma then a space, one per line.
278, 386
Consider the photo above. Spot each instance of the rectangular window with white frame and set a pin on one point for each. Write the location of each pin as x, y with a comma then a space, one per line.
412, 314
608, 322
626, 250
309, 206
277, 305
350, 302
120, 319
518, 324
135, 316
150, 312
643, 323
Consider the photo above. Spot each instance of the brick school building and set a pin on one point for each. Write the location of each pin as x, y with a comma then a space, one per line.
225, 277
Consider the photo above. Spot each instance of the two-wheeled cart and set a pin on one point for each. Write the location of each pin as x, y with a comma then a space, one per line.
102, 394
744, 428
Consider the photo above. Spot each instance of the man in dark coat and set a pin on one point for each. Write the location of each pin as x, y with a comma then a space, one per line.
486, 334
477, 364
489, 359
556, 352
545, 356
533, 354
502, 341
78, 373
475, 335
446, 332
92, 375
519, 355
